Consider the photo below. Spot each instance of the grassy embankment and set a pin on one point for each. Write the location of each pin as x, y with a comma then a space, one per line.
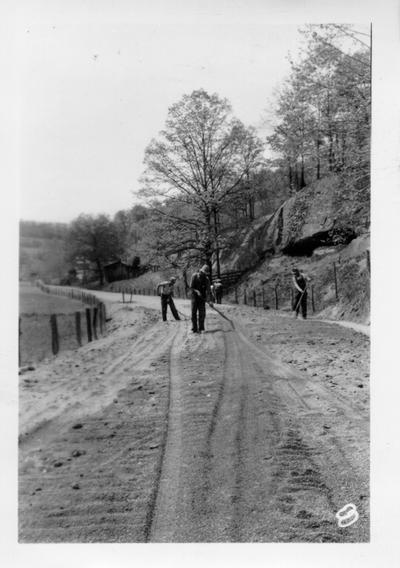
35, 308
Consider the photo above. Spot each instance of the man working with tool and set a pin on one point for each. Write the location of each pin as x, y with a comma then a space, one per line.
201, 292
166, 291
216, 289
300, 299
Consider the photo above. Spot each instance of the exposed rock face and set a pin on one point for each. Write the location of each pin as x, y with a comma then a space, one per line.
325, 214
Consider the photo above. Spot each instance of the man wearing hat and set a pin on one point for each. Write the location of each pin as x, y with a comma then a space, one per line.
216, 289
166, 291
300, 299
201, 292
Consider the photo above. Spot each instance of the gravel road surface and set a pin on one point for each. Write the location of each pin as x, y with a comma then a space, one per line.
256, 430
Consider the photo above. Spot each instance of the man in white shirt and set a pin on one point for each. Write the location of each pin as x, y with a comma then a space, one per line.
166, 291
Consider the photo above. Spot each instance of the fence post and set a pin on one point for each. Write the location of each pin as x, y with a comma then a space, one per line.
368, 261
103, 324
54, 334
254, 298
101, 319
105, 317
95, 313
19, 342
276, 297
244, 297
88, 324
312, 298
123, 296
335, 277
78, 328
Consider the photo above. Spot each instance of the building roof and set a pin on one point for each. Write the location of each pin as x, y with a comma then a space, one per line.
119, 261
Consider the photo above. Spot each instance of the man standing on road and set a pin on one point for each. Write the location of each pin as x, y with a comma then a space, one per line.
201, 292
300, 299
166, 291
217, 290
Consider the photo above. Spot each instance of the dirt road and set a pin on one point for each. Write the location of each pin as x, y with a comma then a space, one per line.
255, 431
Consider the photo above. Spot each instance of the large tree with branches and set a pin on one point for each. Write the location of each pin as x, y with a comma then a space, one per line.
196, 167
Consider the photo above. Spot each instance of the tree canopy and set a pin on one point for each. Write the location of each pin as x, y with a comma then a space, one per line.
323, 109
95, 239
196, 168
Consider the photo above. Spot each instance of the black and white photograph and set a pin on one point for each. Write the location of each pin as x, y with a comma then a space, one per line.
194, 274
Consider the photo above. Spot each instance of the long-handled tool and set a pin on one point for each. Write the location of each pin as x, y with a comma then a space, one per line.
184, 316
222, 315
298, 303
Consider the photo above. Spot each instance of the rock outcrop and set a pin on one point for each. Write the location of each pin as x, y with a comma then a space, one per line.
325, 214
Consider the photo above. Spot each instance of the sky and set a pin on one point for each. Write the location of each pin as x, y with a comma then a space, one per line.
95, 86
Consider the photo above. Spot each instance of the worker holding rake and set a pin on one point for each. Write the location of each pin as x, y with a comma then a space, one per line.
300, 299
201, 292
166, 291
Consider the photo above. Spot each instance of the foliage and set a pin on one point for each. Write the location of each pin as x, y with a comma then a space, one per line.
323, 109
94, 239
195, 169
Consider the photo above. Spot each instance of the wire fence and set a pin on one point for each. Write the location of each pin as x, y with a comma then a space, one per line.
69, 292
347, 280
44, 335
339, 281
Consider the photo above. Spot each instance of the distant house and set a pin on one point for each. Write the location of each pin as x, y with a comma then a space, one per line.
117, 270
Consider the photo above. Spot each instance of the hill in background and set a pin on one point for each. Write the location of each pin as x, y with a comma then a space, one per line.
41, 250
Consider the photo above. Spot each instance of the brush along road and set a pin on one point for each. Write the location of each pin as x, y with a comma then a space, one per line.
257, 433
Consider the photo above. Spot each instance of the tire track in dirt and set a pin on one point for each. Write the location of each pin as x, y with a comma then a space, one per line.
160, 521
148, 347
222, 464
262, 476
110, 456
339, 476
215, 495
242, 454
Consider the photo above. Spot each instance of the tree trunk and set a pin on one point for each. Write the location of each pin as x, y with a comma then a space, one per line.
207, 247
216, 235
290, 175
302, 178
296, 178
100, 272
318, 143
251, 208
330, 138
343, 161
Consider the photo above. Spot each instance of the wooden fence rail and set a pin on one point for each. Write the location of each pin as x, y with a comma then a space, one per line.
69, 292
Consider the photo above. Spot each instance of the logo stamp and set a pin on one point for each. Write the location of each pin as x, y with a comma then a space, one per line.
347, 516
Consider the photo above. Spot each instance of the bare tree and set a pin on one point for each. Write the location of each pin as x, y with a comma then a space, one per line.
198, 163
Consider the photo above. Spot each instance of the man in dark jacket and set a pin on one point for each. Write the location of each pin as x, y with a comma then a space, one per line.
166, 291
300, 298
216, 289
201, 292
